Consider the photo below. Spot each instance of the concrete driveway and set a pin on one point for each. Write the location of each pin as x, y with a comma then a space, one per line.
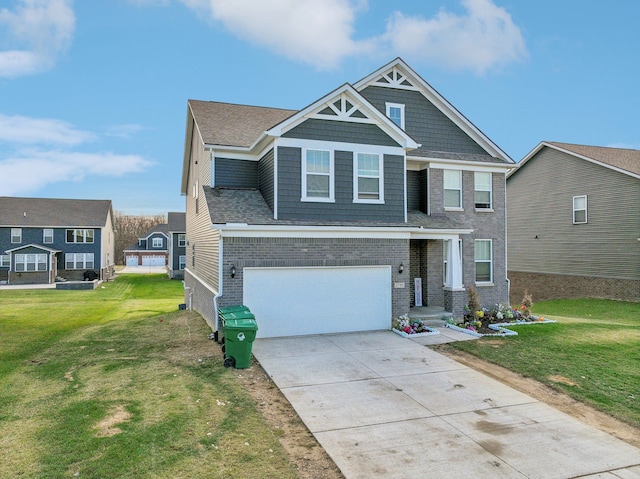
383, 406
143, 270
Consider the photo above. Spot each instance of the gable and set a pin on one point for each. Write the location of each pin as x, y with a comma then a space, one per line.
397, 79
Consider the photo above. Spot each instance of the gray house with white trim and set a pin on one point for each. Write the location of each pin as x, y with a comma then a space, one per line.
177, 227
574, 223
42, 239
378, 197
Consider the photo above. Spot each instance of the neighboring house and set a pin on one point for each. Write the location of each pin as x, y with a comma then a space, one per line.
574, 223
152, 249
177, 244
321, 220
43, 238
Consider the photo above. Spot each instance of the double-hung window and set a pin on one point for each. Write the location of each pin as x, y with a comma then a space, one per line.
78, 261
79, 236
579, 209
5, 260
156, 243
182, 261
16, 235
317, 175
368, 187
182, 240
31, 262
395, 112
482, 185
47, 235
453, 189
484, 261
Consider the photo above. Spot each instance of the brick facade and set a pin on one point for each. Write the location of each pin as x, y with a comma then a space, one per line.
552, 286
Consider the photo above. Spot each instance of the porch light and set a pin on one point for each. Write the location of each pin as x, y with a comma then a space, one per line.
401, 268
233, 271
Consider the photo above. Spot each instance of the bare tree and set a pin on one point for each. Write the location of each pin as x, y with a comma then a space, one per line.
131, 227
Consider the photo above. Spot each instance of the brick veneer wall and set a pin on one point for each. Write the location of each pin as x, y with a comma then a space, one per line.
310, 252
544, 287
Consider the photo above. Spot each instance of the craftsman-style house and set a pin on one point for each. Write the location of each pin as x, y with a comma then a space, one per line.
375, 198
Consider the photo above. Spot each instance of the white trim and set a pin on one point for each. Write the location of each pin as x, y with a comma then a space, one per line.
398, 65
276, 144
339, 146
401, 232
356, 177
304, 196
444, 164
400, 106
573, 207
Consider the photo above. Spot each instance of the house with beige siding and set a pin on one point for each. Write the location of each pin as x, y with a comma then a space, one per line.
378, 197
574, 223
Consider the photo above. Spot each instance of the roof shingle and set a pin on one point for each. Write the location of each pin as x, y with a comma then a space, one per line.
49, 212
623, 158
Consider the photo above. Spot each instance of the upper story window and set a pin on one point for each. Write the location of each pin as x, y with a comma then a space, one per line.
182, 240
31, 262
317, 175
482, 182
579, 209
4, 260
484, 261
395, 112
47, 235
16, 235
79, 236
368, 185
156, 243
453, 189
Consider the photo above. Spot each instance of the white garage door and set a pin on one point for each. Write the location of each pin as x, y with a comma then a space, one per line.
295, 301
153, 261
132, 261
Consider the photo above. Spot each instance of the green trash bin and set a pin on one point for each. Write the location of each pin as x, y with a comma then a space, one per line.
229, 312
239, 335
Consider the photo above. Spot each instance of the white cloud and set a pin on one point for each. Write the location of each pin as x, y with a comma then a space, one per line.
31, 170
25, 130
124, 131
321, 33
35, 152
39, 30
483, 38
315, 32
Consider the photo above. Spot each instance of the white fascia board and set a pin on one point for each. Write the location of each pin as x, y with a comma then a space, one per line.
266, 231
439, 102
389, 127
341, 146
443, 164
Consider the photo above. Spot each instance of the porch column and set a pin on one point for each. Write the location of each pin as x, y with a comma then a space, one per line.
454, 265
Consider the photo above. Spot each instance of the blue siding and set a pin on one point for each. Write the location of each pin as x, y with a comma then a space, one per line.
177, 252
266, 177
342, 131
290, 205
236, 173
423, 121
35, 236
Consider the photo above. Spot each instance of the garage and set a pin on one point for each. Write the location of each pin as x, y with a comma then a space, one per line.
132, 260
297, 301
153, 261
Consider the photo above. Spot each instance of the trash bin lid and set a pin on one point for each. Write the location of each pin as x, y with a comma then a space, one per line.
238, 315
233, 309
242, 324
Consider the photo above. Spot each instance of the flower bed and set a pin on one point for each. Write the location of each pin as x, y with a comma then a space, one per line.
407, 327
497, 329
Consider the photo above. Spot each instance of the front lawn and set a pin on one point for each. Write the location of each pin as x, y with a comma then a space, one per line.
117, 383
592, 353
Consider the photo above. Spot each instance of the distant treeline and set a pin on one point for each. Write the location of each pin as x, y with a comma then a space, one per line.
131, 227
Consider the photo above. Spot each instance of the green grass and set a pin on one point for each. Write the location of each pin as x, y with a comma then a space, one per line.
117, 383
592, 353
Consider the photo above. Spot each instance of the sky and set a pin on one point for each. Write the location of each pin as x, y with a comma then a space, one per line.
93, 93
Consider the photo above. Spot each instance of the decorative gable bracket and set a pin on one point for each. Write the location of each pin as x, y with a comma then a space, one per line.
394, 78
343, 108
